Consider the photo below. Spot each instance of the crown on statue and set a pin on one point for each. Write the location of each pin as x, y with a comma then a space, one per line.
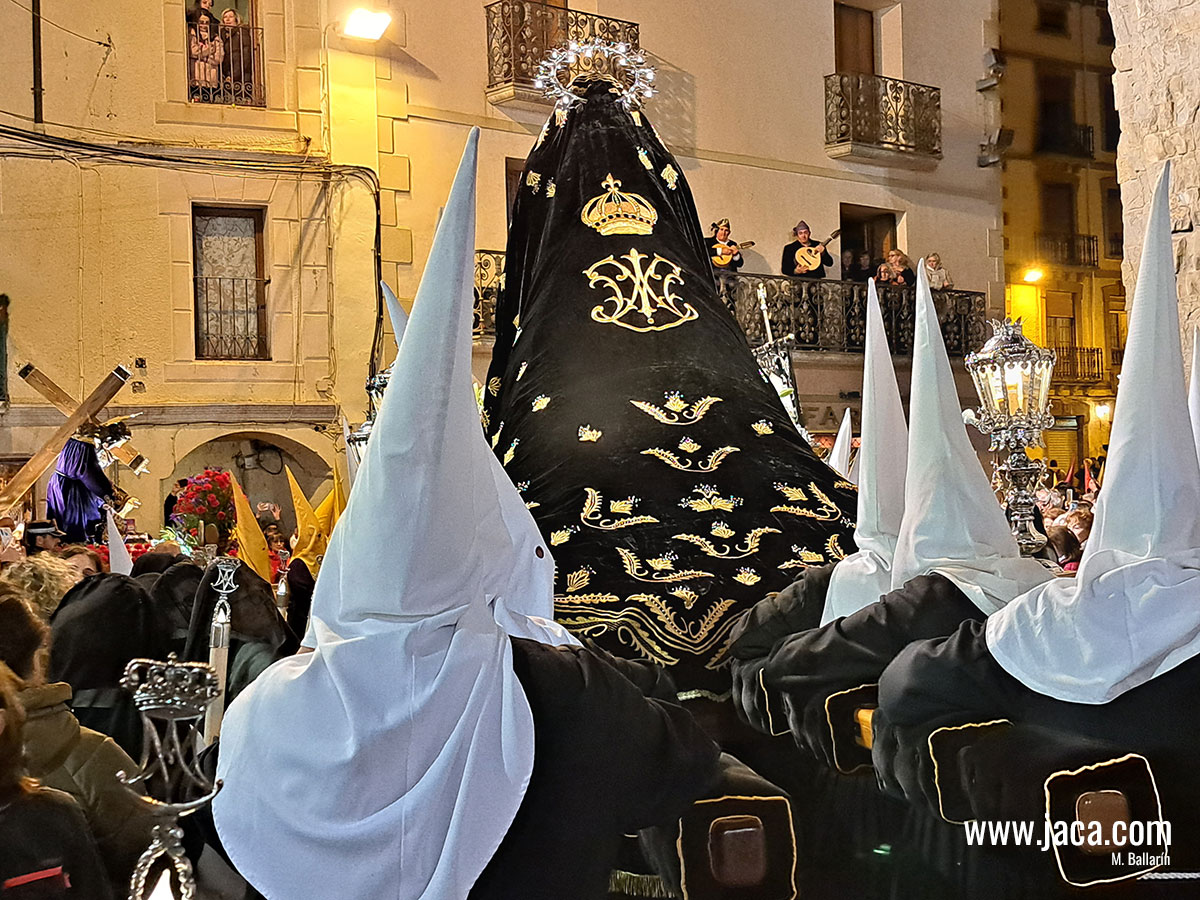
171, 689
616, 212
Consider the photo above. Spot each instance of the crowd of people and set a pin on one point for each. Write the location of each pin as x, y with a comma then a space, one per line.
805, 257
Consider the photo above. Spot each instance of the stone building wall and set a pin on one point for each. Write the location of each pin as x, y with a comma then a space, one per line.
1157, 90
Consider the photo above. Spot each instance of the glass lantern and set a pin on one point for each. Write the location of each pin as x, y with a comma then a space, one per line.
1012, 378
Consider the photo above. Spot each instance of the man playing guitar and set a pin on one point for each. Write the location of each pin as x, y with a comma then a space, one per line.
726, 255
791, 265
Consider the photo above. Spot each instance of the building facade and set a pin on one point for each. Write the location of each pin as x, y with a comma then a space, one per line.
211, 204
1062, 206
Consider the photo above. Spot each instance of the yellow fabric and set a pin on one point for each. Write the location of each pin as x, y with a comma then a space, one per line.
252, 544
310, 538
329, 510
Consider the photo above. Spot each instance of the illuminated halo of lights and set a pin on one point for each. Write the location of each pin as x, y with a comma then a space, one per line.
633, 92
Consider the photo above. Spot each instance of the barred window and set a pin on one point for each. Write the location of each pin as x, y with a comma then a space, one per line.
231, 292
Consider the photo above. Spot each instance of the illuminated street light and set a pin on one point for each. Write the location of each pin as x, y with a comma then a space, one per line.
366, 24
1033, 274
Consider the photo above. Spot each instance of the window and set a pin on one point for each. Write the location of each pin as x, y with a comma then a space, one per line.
231, 292
1058, 208
224, 57
1052, 18
1112, 119
1114, 227
865, 229
1060, 318
854, 39
1107, 38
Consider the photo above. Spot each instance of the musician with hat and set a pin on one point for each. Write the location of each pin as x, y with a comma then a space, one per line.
793, 266
726, 255
42, 536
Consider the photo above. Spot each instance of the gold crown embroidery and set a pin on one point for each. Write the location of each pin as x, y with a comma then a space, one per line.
804, 558
560, 116
622, 507
721, 530
615, 212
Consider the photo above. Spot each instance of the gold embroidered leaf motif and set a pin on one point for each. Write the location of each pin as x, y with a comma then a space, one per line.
710, 499
644, 301
670, 176
530, 504
540, 402
521, 371
485, 418
674, 401
794, 494
593, 517
833, 548
721, 530
848, 485
551, 188
511, 451
562, 535
578, 580
636, 569
709, 465
622, 507
686, 594
494, 385
762, 428
542, 135
747, 576
560, 116
533, 180
746, 548
588, 433
828, 511
616, 212
496, 436
662, 563
804, 558
644, 158
636, 116
687, 445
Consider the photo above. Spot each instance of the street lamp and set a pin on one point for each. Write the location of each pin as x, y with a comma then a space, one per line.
366, 24
1012, 378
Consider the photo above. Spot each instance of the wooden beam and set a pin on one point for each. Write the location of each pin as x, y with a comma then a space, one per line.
44, 458
65, 403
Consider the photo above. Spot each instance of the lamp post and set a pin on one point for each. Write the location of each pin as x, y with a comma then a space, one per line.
1012, 378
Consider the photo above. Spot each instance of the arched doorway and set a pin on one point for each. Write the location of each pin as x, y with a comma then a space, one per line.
257, 460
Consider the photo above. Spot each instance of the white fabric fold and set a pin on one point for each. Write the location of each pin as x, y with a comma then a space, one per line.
863, 577
119, 560
1131, 612
952, 524
404, 741
839, 455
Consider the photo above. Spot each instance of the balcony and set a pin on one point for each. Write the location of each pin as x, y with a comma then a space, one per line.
869, 118
1079, 365
520, 32
489, 279
1067, 139
231, 318
1116, 246
1079, 250
225, 67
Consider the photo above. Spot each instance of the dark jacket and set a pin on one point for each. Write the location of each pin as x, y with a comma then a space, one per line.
84, 763
46, 852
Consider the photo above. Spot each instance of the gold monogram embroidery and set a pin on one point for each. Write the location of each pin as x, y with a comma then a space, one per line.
677, 411
664, 566
615, 212
643, 300
746, 548
594, 518
709, 465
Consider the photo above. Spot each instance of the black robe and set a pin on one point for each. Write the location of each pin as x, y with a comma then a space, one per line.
956, 680
787, 263
301, 584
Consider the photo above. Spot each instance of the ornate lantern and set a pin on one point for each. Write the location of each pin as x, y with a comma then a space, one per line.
1012, 378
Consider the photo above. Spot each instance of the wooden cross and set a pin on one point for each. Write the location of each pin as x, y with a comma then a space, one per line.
44, 458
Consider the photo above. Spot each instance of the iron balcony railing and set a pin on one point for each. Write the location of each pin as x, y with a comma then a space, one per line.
231, 318
823, 315
1069, 249
1079, 365
519, 32
1067, 138
489, 279
225, 64
886, 113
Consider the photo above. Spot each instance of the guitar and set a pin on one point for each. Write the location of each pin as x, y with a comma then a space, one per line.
736, 248
809, 258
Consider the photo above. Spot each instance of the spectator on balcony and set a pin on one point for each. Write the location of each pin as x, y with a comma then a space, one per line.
206, 53
896, 270
726, 254
939, 278
791, 266
204, 10
238, 65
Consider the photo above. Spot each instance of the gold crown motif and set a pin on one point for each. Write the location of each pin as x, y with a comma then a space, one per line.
588, 433
615, 212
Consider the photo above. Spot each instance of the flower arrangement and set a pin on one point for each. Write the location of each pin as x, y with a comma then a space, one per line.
207, 500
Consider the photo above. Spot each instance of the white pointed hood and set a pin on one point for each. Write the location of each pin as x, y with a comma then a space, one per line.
865, 576
1131, 613
1194, 387
119, 560
404, 740
952, 522
839, 456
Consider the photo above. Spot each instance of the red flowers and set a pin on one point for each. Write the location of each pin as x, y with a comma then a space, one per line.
207, 500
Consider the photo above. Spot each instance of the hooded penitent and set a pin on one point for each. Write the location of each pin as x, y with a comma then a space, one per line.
404, 740
839, 455
76, 491
865, 576
1131, 613
952, 523
625, 404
